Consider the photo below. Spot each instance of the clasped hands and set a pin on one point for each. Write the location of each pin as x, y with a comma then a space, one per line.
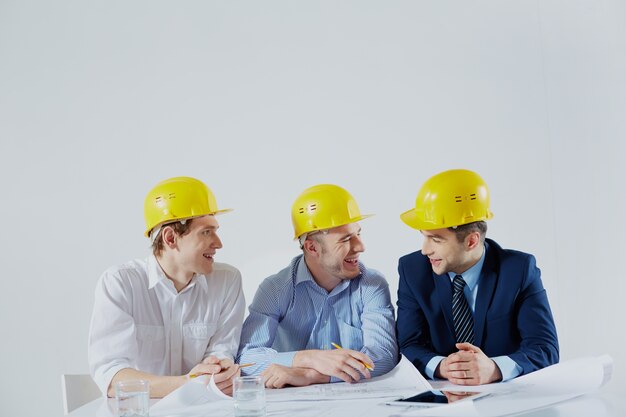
468, 366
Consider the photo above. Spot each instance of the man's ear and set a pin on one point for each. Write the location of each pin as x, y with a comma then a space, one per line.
310, 246
472, 240
169, 237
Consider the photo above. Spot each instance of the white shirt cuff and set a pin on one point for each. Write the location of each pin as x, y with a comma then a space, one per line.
284, 358
104, 380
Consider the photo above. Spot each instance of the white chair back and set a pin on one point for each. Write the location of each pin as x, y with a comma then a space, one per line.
78, 390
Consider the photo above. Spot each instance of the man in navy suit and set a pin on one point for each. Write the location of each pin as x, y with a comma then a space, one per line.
468, 310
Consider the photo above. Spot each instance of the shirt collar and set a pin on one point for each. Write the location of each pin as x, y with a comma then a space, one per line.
303, 274
156, 275
472, 275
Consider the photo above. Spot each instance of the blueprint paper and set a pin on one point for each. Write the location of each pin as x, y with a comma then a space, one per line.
195, 397
401, 381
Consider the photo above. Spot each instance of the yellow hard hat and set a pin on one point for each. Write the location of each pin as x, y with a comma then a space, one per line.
450, 198
322, 207
176, 199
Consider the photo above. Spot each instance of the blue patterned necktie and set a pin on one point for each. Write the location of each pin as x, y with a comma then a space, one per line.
461, 313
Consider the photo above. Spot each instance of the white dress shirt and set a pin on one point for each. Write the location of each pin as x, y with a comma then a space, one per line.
140, 321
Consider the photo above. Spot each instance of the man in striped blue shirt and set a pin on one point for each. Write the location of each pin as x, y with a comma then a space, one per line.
324, 297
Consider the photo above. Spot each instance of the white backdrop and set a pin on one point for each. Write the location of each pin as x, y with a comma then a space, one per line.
101, 100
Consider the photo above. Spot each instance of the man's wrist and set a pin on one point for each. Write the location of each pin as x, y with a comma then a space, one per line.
179, 381
315, 377
496, 375
302, 359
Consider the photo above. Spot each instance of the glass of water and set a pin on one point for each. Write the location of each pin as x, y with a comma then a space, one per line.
249, 396
132, 398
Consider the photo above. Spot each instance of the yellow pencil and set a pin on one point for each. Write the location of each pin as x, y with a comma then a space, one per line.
336, 346
244, 365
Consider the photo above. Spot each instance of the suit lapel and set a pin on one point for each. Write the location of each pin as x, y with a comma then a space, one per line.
444, 293
486, 288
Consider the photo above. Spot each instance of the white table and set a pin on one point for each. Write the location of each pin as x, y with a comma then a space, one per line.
598, 404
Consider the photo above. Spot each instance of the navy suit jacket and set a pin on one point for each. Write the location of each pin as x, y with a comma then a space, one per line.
512, 315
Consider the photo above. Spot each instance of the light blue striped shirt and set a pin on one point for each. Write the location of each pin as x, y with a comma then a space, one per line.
508, 367
291, 312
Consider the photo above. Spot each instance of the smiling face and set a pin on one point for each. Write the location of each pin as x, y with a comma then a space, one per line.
447, 254
339, 251
198, 246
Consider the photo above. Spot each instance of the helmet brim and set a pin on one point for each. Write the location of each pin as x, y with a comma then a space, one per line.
413, 219
214, 213
352, 220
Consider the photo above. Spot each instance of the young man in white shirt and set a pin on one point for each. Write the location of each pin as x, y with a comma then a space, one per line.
176, 313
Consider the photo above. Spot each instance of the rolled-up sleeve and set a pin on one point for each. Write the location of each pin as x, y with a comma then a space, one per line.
225, 342
112, 343
259, 331
378, 324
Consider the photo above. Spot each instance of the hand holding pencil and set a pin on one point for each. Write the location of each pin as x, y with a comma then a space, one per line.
345, 364
222, 371
367, 365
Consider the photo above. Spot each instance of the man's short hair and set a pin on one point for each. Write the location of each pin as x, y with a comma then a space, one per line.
180, 229
463, 230
314, 235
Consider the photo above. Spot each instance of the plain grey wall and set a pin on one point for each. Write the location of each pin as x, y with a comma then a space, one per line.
101, 100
